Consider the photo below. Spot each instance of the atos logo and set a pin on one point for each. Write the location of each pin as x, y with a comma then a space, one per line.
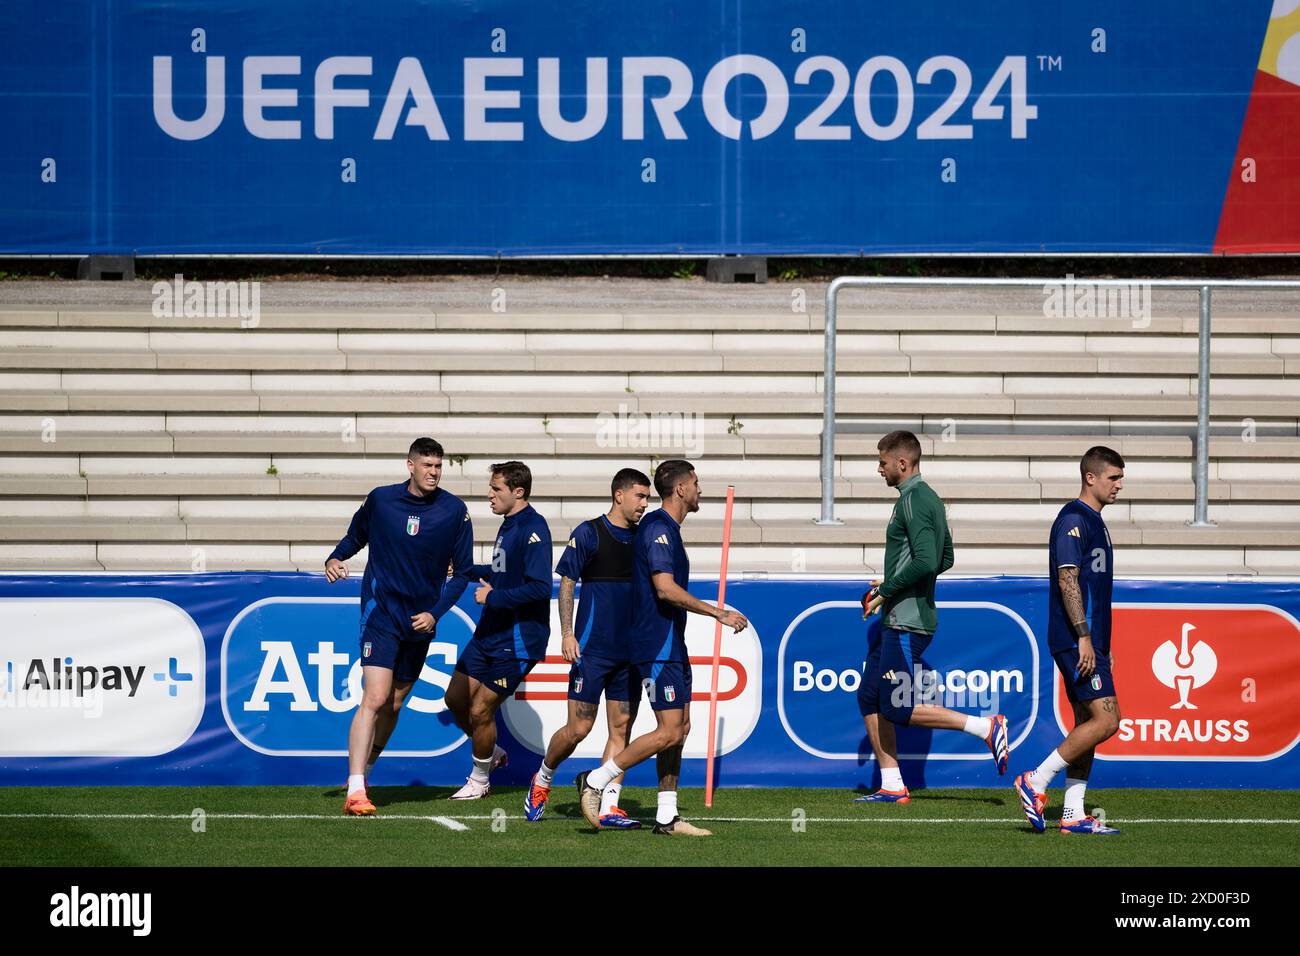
291, 678
1202, 682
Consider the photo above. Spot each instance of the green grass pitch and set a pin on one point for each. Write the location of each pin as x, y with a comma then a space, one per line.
288, 826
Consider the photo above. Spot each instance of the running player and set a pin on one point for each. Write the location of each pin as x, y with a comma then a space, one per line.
415, 531
600, 555
657, 646
1081, 572
918, 548
511, 636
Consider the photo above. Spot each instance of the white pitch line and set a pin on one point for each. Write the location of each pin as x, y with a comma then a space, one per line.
896, 820
452, 822
449, 822
954, 820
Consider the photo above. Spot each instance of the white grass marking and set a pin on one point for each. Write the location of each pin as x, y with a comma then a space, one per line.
453, 822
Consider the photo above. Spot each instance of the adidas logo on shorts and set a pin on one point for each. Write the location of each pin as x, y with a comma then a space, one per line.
501, 682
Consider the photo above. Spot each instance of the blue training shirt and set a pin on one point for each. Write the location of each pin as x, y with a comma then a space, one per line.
413, 539
604, 602
658, 629
1080, 539
516, 620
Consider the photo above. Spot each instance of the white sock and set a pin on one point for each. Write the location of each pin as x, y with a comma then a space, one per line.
498, 752
481, 769
667, 806
978, 727
356, 783
604, 775
609, 797
1074, 790
545, 775
1041, 778
891, 778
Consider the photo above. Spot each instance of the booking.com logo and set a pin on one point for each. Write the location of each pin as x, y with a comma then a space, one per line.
821, 659
978, 690
291, 678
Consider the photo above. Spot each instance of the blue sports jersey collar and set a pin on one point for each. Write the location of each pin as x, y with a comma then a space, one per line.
518, 514
665, 513
1088, 506
420, 499
615, 529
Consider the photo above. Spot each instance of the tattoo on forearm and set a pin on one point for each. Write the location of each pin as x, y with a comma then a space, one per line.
566, 605
1072, 598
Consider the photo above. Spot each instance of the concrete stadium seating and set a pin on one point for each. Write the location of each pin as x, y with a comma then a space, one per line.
130, 442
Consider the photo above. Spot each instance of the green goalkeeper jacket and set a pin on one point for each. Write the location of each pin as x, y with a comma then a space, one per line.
918, 548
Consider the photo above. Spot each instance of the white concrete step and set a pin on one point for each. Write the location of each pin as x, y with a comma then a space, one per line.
779, 317
773, 546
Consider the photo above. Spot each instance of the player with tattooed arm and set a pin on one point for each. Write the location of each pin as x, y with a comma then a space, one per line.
1081, 572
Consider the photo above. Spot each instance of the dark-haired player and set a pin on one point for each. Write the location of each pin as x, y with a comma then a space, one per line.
415, 531
512, 632
657, 644
918, 548
599, 554
1081, 574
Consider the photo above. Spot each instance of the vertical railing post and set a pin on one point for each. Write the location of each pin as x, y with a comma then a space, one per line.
1201, 515
828, 409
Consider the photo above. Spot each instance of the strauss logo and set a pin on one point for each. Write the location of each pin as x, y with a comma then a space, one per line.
1182, 669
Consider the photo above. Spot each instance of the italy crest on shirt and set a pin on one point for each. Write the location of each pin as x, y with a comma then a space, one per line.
412, 524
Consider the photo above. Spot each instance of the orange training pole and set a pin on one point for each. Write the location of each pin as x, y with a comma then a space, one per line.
717, 651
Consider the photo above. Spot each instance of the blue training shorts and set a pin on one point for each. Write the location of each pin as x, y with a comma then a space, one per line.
404, 658
668, 683
888, 683
1097, 685
502, 674
591, 674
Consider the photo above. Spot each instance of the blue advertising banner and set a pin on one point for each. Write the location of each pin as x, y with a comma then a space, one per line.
252, 679
513, 128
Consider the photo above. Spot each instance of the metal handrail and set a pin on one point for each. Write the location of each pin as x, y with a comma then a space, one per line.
1203, 286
